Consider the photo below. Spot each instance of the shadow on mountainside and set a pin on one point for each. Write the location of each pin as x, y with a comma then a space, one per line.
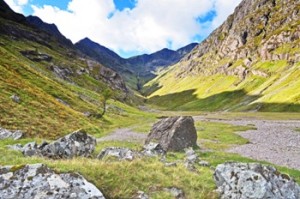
237, 100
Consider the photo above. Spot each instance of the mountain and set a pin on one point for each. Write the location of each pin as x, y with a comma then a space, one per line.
6, 12
251, 62
135, 70
100, 53
48, 87
146, 64
49, 28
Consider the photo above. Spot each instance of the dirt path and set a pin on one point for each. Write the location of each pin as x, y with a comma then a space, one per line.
124, 134
273, 141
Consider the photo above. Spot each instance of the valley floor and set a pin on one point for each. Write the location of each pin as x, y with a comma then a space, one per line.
274, 141
268, 138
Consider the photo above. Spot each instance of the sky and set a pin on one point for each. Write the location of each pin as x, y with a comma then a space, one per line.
131, 27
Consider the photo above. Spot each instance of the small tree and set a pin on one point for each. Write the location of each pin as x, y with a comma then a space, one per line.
106, 95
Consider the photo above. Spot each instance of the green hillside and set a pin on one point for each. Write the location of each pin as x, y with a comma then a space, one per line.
56, 93
248, 63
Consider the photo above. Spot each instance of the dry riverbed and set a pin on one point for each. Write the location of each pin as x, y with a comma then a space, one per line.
274, 141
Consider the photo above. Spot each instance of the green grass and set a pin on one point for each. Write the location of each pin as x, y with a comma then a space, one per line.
220, 136
123, 179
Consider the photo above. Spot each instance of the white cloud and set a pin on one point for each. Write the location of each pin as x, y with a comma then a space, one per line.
148, 27
223, 9
17, 5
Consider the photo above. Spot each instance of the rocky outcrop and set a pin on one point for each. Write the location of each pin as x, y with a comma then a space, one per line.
253, 180
39, 181
174, 133
118, 153
6, 134
34, 55
113, 79
78, 143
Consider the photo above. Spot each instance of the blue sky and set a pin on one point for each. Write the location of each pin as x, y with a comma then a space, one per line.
131, 27
63, 4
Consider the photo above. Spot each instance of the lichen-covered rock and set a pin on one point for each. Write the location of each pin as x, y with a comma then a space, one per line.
78, 143
253, 180
38, 181
174, 133
119, 153
152, 149
6, 134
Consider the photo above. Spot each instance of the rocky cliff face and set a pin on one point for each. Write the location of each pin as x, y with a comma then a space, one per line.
258, 30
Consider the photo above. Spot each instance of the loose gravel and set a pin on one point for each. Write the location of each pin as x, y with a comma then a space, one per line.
124, 134
273, 141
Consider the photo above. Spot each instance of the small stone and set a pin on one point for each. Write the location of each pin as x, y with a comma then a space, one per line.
204, 163
177, 193
119, 153
141, 195
152, 149
171, 164
15, 98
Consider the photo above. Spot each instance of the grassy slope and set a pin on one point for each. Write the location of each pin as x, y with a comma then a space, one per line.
220, 92
40, 114
124, 179
280, 91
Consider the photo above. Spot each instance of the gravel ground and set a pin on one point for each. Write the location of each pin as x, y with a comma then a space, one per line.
124, 135
273, 141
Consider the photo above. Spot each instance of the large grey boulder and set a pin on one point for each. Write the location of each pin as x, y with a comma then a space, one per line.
6, 134
253, 180
38, 181
174, 133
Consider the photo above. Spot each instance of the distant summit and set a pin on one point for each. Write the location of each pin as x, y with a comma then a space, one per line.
138, 69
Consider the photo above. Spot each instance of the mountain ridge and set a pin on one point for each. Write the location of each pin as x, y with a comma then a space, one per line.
136, 70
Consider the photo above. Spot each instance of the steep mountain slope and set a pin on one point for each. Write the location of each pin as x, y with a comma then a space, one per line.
251, 62
136, 70
47, 87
